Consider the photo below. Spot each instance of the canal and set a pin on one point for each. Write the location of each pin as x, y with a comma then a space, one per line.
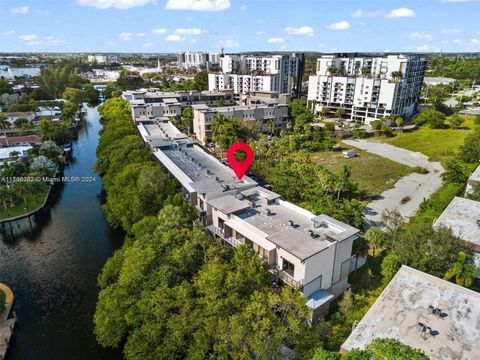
51, 263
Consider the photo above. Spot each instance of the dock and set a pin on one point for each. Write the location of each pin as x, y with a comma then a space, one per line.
6, 325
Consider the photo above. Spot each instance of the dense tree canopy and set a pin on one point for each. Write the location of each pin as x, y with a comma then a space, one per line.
57, 77
171, 291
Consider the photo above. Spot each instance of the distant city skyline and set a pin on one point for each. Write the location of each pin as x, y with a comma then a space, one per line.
164, 26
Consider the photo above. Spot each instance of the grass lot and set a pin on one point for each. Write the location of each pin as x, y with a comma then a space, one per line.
373, 174
33, 202
438, 144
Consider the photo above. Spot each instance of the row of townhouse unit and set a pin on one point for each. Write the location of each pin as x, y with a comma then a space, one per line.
154, 103
312, 253
264, 114
368, 88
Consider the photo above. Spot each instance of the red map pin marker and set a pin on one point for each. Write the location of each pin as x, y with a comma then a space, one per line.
240, 167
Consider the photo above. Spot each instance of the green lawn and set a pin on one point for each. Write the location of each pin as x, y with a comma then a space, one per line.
33, 202
374, 174
438, 144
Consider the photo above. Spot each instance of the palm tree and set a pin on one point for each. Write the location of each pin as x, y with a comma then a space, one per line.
324, 111
340, 112
360, 247
343, 180
5, 195
4, 123
375, 237
22, 190
399, 121
15, 154
462, 270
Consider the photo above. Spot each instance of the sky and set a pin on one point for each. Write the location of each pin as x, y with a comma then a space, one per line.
160, 26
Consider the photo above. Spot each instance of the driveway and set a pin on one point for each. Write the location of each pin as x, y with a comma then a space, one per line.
409, 191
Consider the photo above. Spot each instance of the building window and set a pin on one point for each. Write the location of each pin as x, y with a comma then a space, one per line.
288, 267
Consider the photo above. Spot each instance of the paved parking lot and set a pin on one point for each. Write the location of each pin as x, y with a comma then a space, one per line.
409, 191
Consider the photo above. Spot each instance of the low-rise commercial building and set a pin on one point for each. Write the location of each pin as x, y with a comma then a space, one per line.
264, 114
425, 312
367, 88
312, 253
463, 217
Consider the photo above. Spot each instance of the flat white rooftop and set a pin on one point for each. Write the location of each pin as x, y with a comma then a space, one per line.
207, 174
474, 179
286, 225
425, 312
463, 217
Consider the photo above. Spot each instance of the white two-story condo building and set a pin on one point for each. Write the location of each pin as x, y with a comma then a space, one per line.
368, 88
264, 114
153, 103
312, 253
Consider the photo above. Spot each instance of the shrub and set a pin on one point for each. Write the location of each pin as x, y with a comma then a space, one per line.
390, 266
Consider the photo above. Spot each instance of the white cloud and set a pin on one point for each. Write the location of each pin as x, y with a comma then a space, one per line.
192, 31
302, 30
116, 4
34, 39
10, 32
227, 43
451, 31
140, 34
427, 48
362, 13
342, 25
159, 31
276, 40
258, 33
19, 10
475, 41
30, 37
421, 36
457, 41
174, 37
198, 5
243, 7
149, 44
283, 47
401, 13
125, 36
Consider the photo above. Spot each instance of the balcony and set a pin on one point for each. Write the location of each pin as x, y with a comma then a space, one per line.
216, 231
232, 241
285, 277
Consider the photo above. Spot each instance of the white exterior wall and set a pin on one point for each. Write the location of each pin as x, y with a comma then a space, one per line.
343, 254
299, 270
320, 264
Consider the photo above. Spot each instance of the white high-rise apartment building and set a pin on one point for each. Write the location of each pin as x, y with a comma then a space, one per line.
368, 88
188, 59
246, 73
